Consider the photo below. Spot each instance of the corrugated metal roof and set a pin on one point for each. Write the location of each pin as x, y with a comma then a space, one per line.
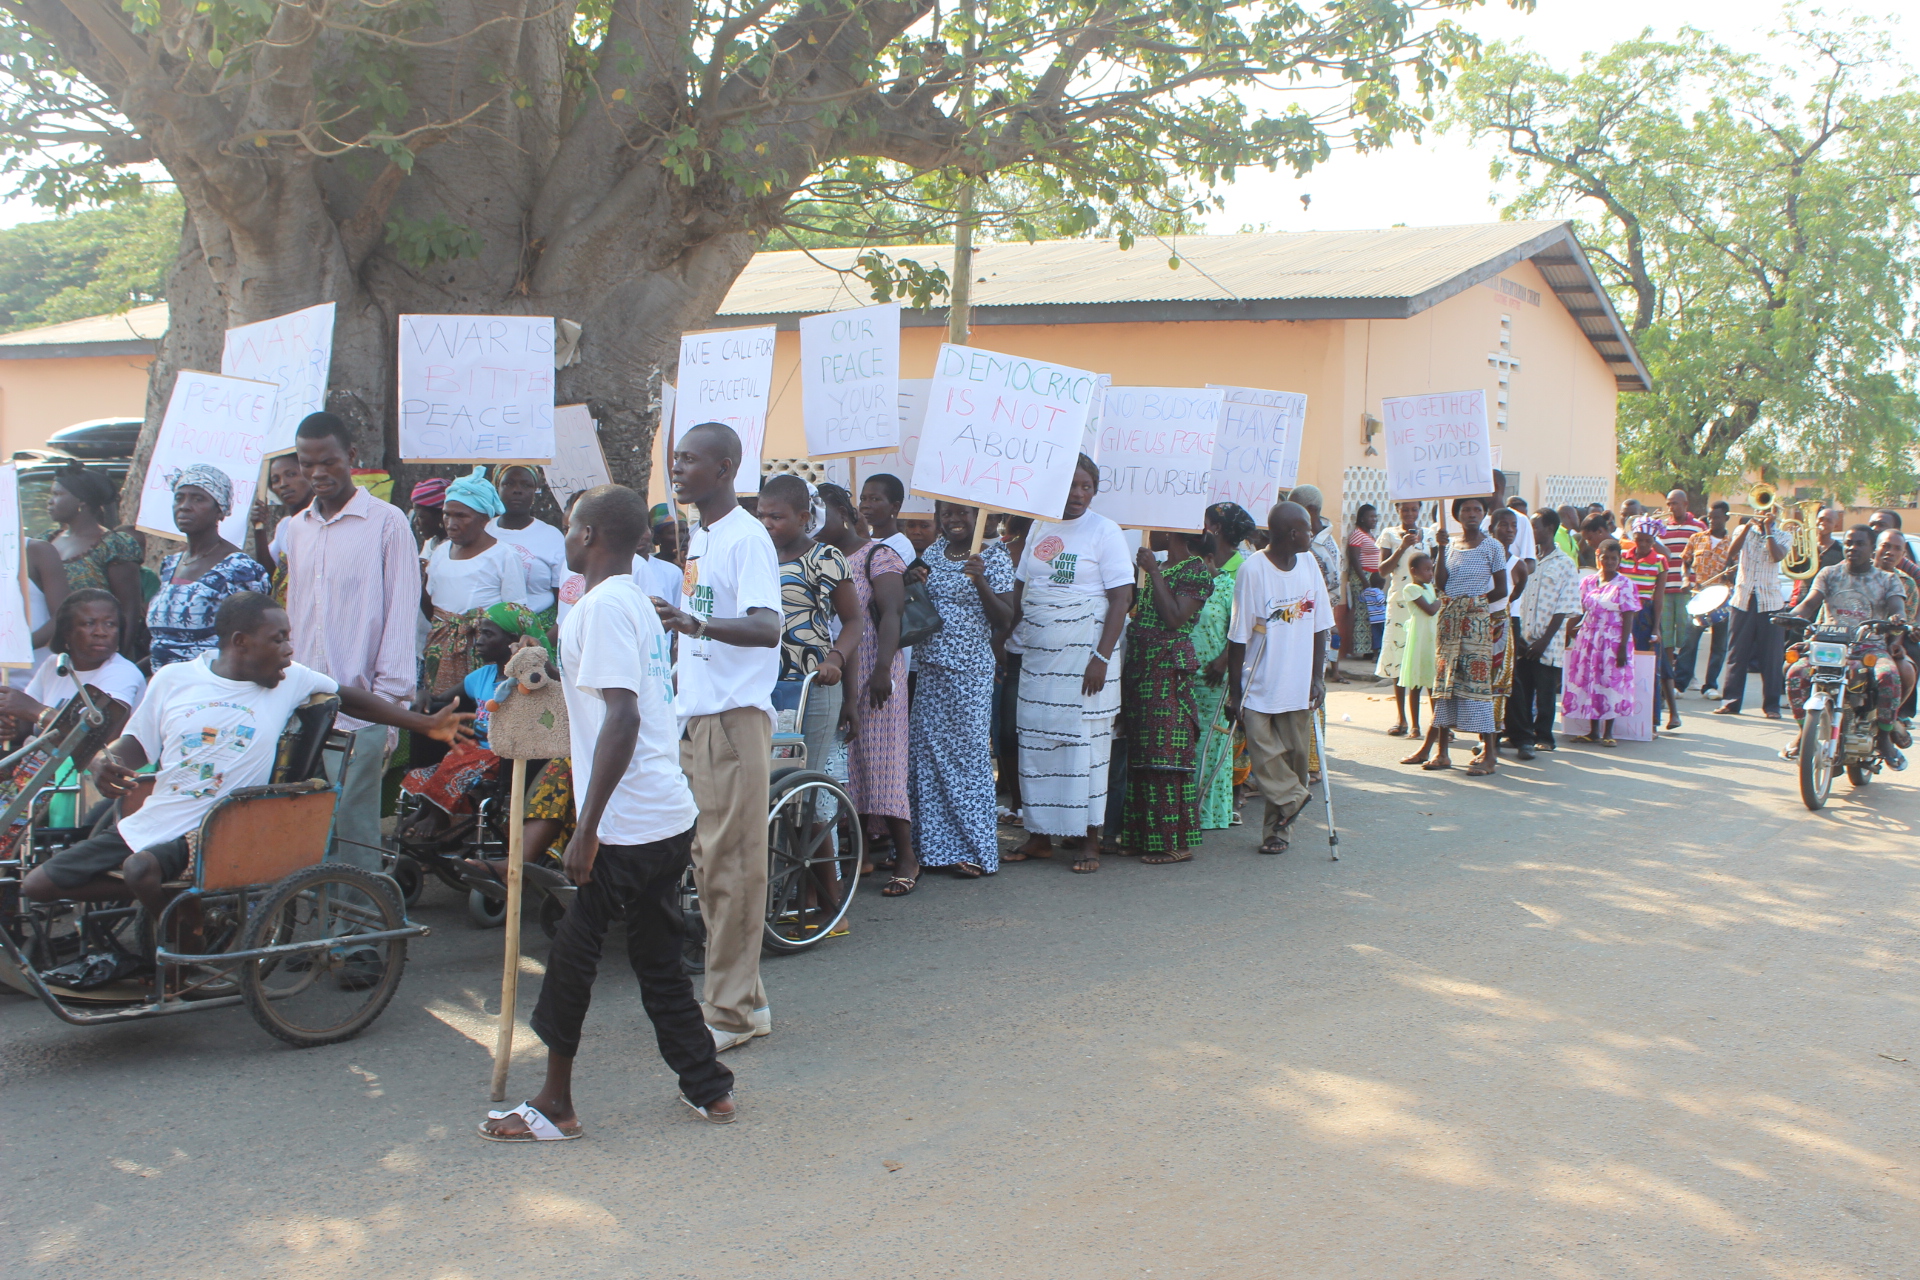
1391, 273
141, 323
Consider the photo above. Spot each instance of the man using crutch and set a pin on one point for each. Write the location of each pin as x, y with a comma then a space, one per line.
1276, 664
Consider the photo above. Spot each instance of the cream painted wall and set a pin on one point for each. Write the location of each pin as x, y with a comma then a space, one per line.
39, 397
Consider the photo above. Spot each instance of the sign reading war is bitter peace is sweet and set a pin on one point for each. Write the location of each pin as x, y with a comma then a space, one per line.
1002, 431
726, 376
1156, 456
1437, 446
849, 380
476, 388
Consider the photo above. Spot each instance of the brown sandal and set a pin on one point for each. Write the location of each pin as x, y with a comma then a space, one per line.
1087, 864
899, 887
1166, 859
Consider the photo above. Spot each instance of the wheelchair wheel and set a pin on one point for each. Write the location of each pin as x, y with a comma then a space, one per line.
410, 877
485, 912
329, 995
814, 845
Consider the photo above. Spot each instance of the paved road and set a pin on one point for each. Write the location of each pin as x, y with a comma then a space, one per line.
1620, 1014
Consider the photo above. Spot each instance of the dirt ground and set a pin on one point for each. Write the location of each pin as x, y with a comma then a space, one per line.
1629, 1013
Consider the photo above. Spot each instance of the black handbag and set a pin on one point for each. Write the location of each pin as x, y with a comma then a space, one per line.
920, 621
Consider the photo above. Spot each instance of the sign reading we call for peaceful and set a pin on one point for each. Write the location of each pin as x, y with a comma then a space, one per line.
849, 381
1156, 456
1437, 446
1256, 453
726, 376
1002, 432
294, 353
216, 420
476, 388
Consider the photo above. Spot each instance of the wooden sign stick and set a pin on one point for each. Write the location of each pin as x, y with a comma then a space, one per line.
510, 977
979, 529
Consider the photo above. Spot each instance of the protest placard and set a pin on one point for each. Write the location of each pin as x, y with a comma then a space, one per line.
1437, 446
726, 376
912, 399
1256, 453
1156, 456
216, 420
294, 353
476, 388
1090, 435
849, 381
1002, 432
578, 463
16, 624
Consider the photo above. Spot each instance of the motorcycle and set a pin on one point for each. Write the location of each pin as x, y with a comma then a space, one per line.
1840, 730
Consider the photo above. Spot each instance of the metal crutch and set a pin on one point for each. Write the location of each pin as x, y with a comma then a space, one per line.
1326, 785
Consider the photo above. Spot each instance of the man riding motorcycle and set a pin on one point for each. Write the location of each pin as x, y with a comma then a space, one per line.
1848, 594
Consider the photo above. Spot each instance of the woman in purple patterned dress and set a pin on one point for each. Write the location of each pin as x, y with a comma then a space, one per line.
1599, 667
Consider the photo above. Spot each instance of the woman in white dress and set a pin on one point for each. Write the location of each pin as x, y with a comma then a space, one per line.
465, 574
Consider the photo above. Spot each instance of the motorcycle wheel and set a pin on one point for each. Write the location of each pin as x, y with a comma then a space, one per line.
1816, 766
1859, 774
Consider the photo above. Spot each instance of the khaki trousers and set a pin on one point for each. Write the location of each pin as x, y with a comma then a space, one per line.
1277, 749
726, 760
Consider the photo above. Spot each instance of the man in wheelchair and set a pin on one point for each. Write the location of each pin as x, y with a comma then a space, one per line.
214, 725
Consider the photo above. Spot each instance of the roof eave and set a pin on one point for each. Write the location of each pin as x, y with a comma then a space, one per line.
77, 350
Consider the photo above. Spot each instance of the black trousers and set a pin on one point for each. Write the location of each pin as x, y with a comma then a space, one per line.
1755, 640
639, 884
1534, 703
1689, 655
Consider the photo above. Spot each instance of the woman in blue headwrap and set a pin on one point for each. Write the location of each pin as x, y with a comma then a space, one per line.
466, 574
195, 582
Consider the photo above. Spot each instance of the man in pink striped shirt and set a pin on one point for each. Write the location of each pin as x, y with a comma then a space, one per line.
353, 597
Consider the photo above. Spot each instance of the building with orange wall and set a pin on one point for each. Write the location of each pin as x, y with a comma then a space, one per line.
1347, 317
60, 374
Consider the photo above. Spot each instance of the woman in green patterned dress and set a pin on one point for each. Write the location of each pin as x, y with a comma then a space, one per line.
1228, 525
1161, 817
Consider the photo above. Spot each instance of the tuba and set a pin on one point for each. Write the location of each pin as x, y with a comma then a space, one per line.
1803, 555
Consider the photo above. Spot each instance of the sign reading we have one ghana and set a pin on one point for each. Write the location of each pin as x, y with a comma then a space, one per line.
476, 388
1002, 431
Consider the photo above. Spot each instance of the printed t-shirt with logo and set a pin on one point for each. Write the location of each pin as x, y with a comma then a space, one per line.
1089, 555
1275, 614
731, 568
210, 736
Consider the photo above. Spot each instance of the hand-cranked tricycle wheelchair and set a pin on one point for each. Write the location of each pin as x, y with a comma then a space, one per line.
314, 949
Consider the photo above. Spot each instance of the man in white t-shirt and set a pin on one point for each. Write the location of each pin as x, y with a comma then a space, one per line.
213, 723
1276, 664
634, 836
540, 546
728, 664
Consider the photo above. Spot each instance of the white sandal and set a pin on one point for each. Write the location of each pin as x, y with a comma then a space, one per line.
539, 1128
713, 1117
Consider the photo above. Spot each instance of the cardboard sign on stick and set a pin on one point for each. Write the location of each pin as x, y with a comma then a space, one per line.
1156, 456
216, 420
16, 625
726, 376
1002, 431
912, 399
1090, 435
476, 388
1256, 453
849, 381
1437, 446
294, 353
578, 463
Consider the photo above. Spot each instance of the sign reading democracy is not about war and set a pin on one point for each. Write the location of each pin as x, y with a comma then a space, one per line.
216, 420
849, 381
726, 376
294, 352
1156, 456
1437, 446
476, 388
1256, 453
1002, 431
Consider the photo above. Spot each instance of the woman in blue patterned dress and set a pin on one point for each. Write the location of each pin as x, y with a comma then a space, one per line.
950, 770
194, 582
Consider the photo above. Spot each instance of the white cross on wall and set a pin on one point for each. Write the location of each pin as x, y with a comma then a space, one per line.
1507, 364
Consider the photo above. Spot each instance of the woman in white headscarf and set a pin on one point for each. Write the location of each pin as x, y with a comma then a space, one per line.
195, 582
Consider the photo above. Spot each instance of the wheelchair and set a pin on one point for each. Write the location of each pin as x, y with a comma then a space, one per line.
485, 839
282, 926
815, 843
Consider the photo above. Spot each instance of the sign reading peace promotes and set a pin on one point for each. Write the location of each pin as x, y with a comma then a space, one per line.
1002, 432
1437, 446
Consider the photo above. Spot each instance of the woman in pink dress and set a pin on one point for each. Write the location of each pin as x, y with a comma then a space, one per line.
1599, 666
877, 753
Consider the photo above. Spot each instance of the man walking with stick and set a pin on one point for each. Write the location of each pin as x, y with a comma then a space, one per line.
634, 837
1276, 665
